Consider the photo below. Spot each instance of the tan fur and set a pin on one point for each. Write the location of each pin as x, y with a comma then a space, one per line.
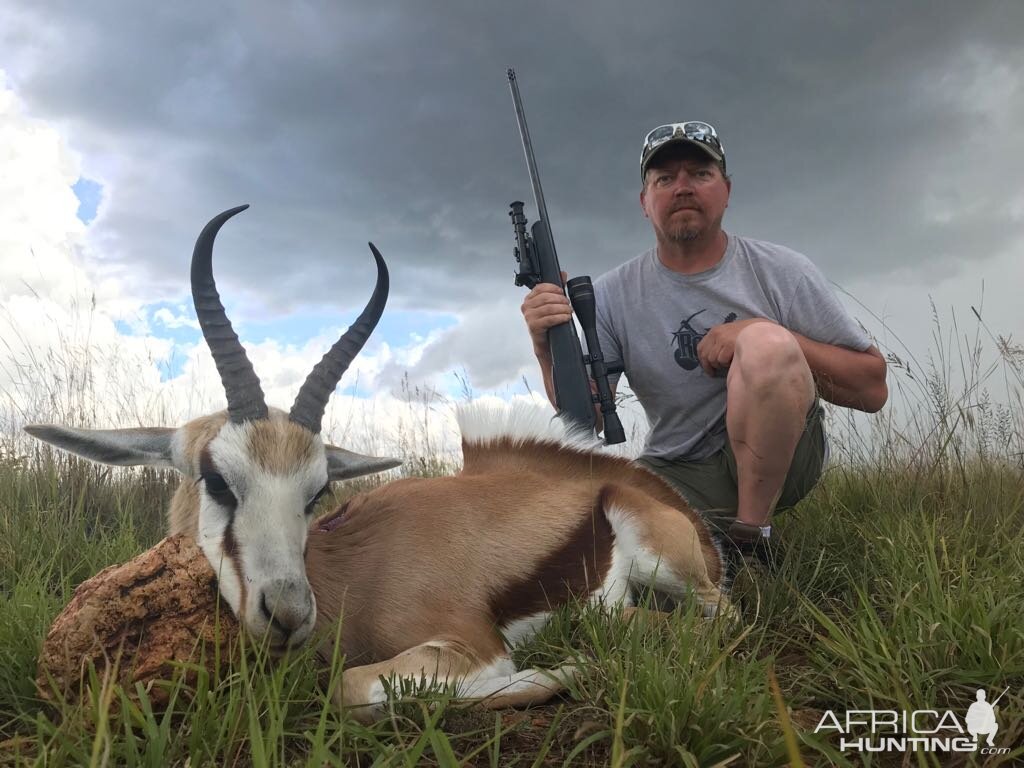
416, 550
183, 515
421, 561
279, 446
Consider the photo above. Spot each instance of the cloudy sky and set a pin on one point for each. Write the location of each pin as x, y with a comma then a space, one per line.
881, 139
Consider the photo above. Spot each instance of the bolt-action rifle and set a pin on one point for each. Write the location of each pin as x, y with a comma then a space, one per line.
537, 262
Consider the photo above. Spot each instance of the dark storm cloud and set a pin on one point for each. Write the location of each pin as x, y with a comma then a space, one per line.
873, 136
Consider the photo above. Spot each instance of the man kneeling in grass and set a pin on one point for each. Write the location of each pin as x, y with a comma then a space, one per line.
728, 343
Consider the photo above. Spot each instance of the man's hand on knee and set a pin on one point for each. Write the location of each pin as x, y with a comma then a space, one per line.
716, 350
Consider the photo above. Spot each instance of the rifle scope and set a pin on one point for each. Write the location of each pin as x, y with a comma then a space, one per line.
581, 294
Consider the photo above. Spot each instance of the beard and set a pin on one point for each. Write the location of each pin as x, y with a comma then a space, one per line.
690, 230
685, 228
683, 234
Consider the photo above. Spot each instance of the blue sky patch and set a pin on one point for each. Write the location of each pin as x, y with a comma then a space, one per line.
173, 367
167, 320
89, 194
397, 328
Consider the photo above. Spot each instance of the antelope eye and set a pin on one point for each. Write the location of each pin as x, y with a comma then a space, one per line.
316, 499
215, 483
218, 489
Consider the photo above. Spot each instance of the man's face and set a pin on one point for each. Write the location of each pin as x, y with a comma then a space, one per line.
685, 195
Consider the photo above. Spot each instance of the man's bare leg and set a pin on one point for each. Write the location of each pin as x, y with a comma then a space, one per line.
770, 390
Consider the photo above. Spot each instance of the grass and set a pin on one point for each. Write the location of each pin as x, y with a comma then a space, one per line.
902, 589
894, 595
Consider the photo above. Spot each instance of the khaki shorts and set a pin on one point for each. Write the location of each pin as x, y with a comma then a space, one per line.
710, 484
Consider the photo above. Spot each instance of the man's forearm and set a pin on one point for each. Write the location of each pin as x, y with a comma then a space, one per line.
844, 377
547, 377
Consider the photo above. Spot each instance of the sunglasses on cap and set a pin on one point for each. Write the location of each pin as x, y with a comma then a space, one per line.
697, 131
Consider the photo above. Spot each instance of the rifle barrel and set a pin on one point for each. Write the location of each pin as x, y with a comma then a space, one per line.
531, 161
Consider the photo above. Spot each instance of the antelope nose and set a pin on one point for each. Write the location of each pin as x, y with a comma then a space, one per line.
286, 605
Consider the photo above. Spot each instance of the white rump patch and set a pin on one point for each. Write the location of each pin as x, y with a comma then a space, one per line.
521, 422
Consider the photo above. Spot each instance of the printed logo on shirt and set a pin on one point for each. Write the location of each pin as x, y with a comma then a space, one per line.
687, 338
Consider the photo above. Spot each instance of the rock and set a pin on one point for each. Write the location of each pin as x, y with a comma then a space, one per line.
139, 619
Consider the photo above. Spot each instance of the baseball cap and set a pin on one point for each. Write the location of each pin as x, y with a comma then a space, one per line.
694, 132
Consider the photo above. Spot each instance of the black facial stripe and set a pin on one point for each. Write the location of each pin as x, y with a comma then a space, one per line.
230, 548
230, 544
206, 465
216, 487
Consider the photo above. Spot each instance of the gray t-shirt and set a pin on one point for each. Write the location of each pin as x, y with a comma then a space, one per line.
652, 318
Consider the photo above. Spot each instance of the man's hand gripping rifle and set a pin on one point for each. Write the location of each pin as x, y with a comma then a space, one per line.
537, 262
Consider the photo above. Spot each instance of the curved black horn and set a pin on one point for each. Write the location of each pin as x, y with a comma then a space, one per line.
241, 385
311, 401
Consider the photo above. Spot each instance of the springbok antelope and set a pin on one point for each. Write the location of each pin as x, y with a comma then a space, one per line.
438, 577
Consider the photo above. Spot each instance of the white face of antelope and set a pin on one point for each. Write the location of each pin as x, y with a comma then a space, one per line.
261, 475
258, 485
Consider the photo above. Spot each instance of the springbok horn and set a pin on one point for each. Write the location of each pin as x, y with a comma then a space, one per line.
308, 410
241, 385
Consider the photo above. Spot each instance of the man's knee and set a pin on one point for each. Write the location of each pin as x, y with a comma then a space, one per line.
768, 356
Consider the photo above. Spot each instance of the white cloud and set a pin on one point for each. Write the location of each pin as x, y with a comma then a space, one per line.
169, 319
39, 232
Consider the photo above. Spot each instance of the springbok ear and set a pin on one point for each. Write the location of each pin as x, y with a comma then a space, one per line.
120, 447
344, 465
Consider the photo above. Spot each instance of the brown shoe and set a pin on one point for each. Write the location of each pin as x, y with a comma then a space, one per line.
744, 546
